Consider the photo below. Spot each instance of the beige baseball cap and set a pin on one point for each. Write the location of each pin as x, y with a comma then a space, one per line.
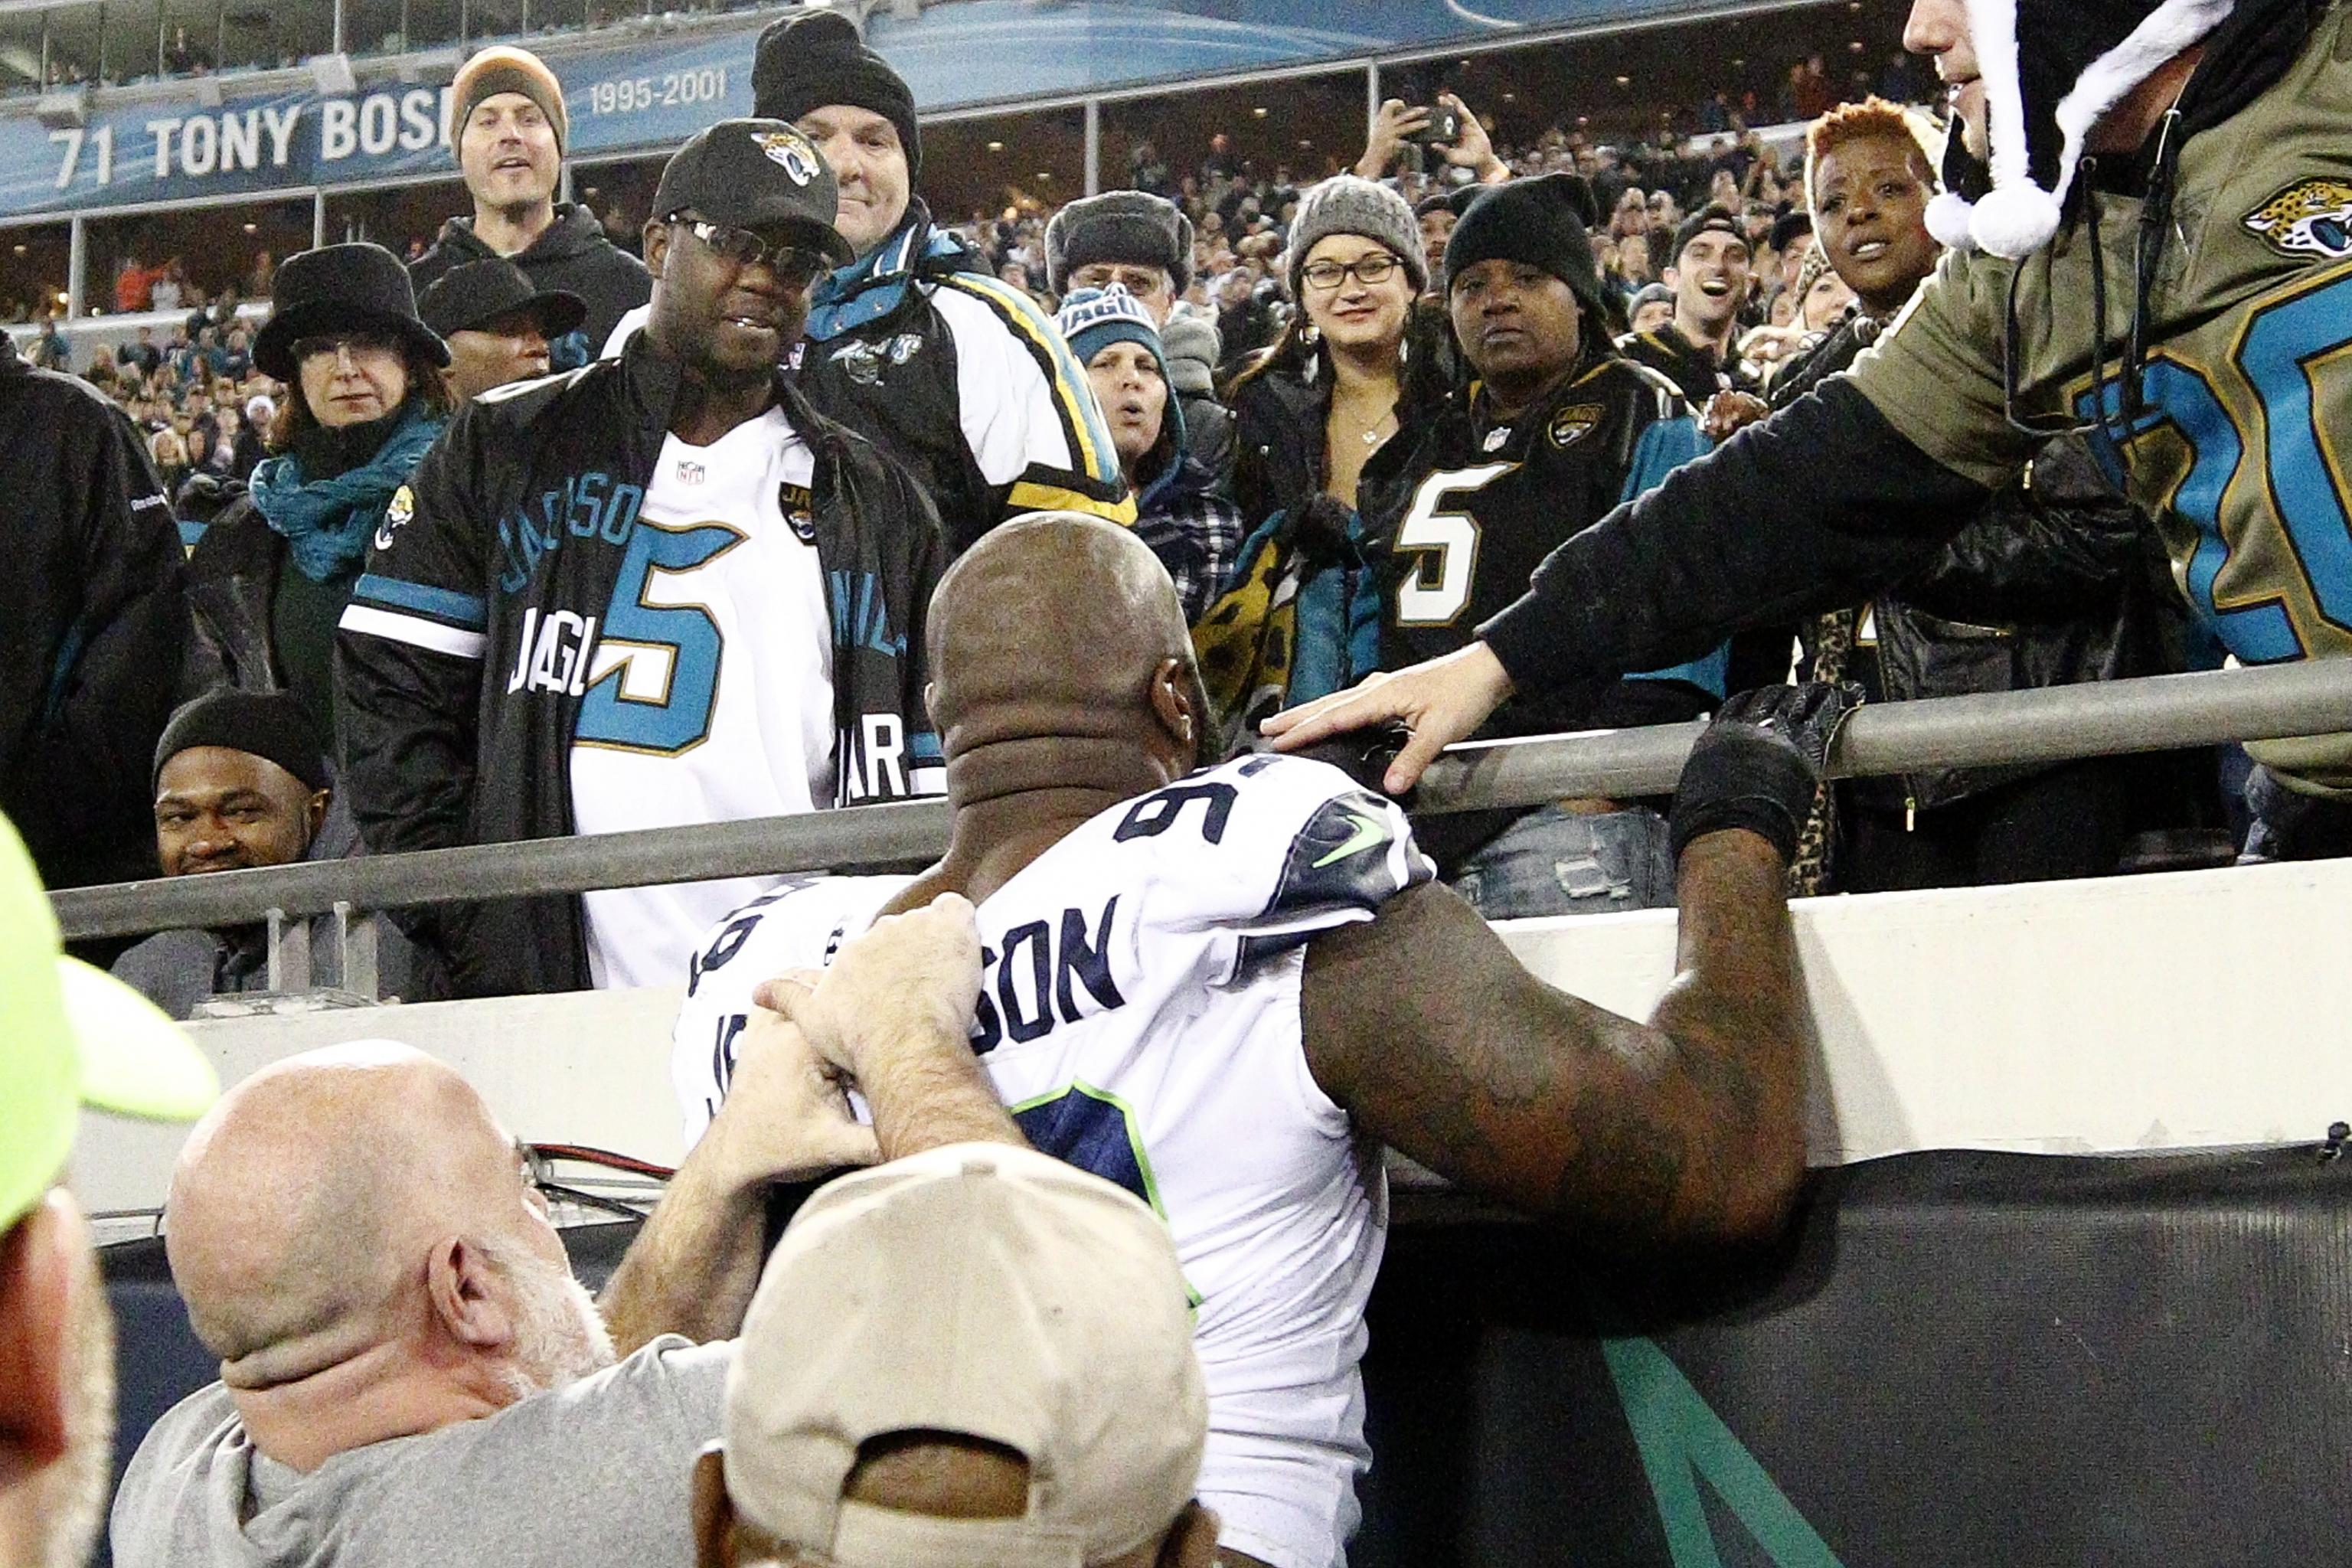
985, 1290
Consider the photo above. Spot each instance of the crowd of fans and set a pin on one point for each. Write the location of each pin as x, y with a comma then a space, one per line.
1275, 380
1072, 520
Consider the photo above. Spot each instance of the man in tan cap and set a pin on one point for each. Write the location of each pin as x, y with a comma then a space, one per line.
979, 1355
69, 1037
508, 125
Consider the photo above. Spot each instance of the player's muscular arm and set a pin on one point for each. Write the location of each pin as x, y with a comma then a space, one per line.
693, 1268
895, 1009
1689, 1127
1440, 1042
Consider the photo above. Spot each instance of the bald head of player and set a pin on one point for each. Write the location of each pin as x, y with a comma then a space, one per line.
356, 1240
1063, 677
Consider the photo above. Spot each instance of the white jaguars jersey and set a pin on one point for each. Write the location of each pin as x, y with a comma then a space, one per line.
1138, 1012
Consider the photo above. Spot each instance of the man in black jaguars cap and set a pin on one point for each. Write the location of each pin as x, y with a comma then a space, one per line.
2124, 126
663, 590
498, 326
1556, 431
915, 344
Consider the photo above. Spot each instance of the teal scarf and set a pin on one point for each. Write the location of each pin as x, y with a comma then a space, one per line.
326, 524
873, 285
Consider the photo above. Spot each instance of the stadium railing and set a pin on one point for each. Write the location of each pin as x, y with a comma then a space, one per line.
2055, 723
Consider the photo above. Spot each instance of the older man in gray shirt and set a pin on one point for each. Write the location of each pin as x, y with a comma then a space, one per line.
409, 1373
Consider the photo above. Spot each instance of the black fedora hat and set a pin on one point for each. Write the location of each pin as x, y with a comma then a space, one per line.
479, 292
342, 289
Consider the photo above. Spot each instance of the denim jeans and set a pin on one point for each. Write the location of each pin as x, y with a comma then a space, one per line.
1553, 861
2291, 825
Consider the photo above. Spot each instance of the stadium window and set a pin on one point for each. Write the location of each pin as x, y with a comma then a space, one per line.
404, 219
1161, 138
200, 250
253, 36
33, 261
376, 27
963, 179
72, 36
20, 51
621, 195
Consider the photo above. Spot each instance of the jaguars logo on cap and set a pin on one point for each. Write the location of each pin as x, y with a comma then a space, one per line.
788, 151
2311, 218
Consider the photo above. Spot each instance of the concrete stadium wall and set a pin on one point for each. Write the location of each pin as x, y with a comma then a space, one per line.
2196, 1009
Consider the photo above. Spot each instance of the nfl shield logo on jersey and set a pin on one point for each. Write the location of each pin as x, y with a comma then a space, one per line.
689, 473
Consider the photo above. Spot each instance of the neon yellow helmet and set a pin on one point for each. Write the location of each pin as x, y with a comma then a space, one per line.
73, 1036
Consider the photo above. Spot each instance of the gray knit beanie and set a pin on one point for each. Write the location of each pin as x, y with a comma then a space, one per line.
1348, 203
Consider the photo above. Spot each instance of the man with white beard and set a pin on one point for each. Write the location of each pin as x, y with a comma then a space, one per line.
410, 1375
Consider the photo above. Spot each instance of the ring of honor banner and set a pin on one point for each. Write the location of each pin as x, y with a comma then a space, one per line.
1955, 1361
648, 91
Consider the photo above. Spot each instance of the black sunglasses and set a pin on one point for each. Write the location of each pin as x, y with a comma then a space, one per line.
742, 248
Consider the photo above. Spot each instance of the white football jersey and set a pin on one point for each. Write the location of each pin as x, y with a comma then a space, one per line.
710, 695
1138, 1012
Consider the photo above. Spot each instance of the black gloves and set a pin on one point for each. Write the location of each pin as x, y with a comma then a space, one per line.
1759, 763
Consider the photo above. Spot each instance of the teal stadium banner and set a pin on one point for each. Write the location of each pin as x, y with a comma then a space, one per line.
649, 91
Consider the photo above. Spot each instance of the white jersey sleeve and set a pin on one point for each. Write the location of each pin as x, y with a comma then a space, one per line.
797, 926
1313, 850
1028, 411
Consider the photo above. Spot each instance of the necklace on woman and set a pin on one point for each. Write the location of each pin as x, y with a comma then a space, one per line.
1371, 433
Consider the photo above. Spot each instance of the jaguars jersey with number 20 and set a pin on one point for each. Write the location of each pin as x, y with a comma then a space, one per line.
1140, 1011
2243, 449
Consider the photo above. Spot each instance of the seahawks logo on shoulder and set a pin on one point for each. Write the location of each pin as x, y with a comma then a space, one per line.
787, 150
396, 514
1573, 423
2313, 218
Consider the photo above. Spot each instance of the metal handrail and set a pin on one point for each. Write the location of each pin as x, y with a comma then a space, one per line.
2053, 724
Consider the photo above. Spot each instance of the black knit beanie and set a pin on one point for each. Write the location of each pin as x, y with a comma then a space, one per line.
815, 57
1536, 223
271, 724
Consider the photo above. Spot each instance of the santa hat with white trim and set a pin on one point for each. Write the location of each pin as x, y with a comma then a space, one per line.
2051, 69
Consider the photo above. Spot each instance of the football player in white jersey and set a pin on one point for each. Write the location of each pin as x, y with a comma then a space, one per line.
1227, 988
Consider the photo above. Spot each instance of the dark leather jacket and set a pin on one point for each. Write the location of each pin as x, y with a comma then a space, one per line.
2058, 581
1281, 402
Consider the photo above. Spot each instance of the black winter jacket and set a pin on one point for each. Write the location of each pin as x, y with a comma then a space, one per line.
91, 642
461, 704
2058, 580
573, 255
1279, 408
232, 576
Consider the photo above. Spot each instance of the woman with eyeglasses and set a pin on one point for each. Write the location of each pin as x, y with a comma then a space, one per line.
1310, 410
1357, 362
365, 396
